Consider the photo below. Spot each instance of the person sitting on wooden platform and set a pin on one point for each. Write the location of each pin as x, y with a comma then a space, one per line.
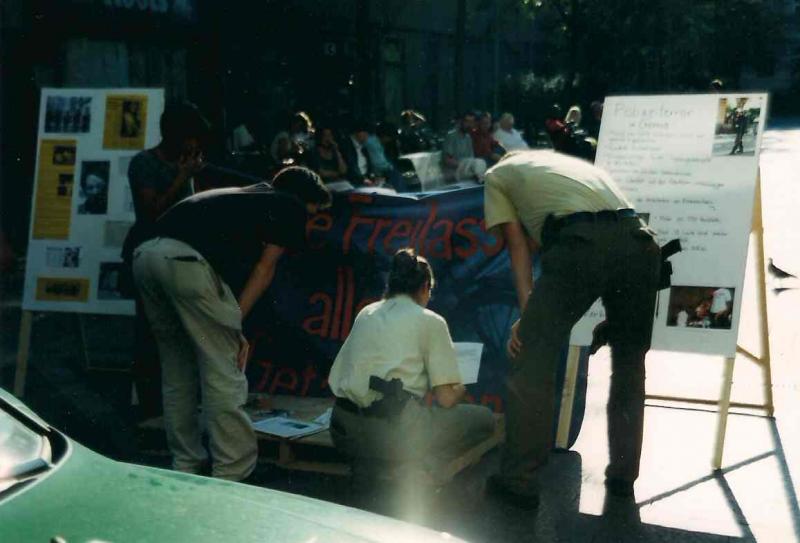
396, 352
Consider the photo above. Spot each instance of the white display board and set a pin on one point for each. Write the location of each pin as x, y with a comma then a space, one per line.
688, 164
82, 206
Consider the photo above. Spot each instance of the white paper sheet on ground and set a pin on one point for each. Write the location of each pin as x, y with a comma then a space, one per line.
469, 361
325, 418
288, 427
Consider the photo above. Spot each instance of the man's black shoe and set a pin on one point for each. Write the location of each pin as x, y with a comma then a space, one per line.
618, 487
496, 488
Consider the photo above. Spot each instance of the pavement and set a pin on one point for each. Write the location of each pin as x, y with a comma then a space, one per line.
723, 144
754, 497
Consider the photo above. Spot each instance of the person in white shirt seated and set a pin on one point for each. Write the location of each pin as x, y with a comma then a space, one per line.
507, 135
409, 350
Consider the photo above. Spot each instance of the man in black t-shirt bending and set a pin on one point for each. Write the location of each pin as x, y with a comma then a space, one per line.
215, 255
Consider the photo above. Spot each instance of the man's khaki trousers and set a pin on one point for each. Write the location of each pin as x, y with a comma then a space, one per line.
197, 324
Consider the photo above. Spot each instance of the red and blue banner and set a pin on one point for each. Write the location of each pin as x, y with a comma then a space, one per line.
300, 325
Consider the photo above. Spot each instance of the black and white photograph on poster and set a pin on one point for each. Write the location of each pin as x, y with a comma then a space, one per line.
68, 114
93, 193
115, 233
64, 155
131, 125
63, 257
108, 282
700, 307
65, 181
737, 127
72, 257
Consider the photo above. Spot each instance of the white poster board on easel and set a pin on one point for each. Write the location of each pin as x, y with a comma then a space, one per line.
82, 207
689, 165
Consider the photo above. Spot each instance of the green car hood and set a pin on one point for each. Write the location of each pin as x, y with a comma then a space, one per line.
91, 498
88, 497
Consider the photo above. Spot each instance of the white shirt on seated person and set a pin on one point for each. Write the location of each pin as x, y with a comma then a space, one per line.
509, 137
395, 338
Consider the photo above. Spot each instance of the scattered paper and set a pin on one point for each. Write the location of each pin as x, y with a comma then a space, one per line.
325, 418
469, 361
287, 427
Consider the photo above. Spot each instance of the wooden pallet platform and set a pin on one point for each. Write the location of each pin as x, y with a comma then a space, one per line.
317, 453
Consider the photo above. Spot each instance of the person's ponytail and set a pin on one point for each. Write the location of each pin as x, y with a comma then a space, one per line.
409, 274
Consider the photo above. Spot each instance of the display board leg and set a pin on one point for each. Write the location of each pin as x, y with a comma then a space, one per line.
84, 343
761, 284
23, 351
724, 407
568, 397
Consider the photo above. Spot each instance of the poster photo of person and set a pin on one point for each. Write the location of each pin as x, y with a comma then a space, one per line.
108, 281
63, 257
93, 193
737, 127
125, 122
131, 125
72, 257
68, 114
700, 307
63, 155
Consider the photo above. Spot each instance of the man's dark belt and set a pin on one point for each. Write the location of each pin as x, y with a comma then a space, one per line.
552, 225
393, 400
374, 410
589, 216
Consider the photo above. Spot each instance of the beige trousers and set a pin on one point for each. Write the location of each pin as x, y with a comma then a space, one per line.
196, 322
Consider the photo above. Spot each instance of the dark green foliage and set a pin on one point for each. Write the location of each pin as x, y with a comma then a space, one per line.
616, 46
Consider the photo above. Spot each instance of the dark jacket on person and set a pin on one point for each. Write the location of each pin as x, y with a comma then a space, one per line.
350, 155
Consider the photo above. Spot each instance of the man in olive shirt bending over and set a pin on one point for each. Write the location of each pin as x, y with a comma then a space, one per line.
215, 255
593, 246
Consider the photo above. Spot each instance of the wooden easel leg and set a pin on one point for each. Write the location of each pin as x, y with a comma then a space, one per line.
84, 343
23, 350
724, 406
568, 397
765, 360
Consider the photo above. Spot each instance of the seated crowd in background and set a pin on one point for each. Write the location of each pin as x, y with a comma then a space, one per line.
568, 136
458, 153
354, 153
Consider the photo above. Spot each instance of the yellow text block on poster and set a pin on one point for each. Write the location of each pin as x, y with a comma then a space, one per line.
125, 122
54, 181
62, 289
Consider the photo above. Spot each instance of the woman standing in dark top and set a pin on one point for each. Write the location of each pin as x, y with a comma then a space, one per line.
327, 160
159, 178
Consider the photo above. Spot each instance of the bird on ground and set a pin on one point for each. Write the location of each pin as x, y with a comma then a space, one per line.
779, 291
775, 271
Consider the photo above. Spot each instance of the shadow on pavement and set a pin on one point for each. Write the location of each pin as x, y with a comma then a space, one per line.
93, 407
